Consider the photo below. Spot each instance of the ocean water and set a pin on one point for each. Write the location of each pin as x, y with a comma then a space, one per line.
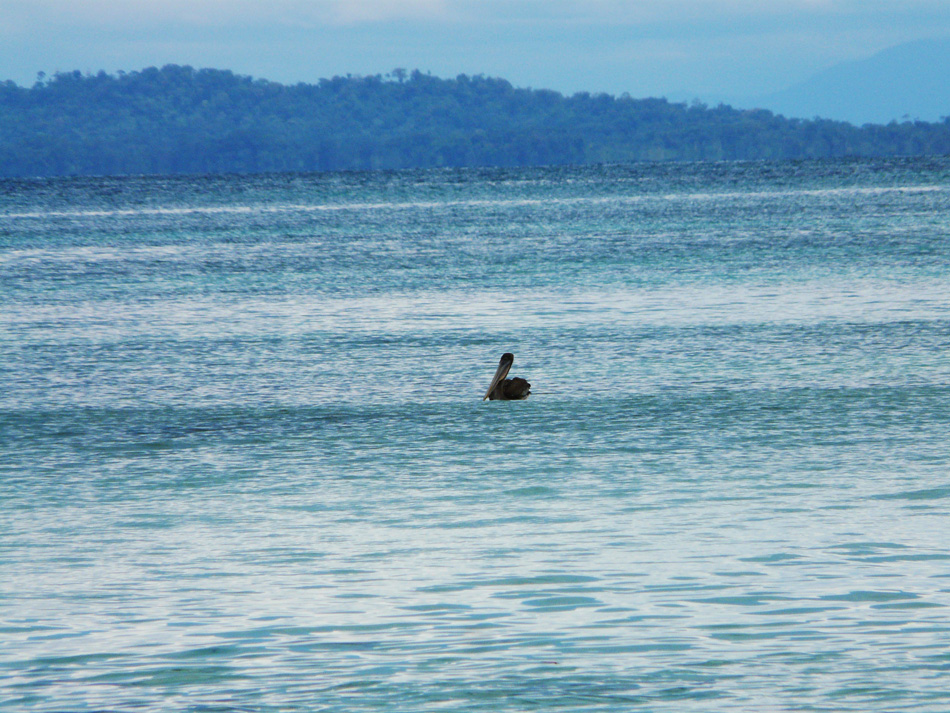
245, 464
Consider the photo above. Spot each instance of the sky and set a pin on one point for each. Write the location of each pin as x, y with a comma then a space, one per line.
714, 50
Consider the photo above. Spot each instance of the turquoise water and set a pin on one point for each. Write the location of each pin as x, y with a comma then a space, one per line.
244, 463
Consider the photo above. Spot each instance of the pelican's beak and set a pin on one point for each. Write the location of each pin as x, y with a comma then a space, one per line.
504, 366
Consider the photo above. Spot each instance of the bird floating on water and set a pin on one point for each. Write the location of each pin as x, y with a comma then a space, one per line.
503, 389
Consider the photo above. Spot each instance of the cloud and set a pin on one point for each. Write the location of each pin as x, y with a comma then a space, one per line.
112, 14
642, 46
382, 10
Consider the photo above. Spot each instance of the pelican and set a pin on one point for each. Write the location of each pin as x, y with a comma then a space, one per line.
503, 389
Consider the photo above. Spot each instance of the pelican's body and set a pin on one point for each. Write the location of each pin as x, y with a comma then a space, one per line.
503, 389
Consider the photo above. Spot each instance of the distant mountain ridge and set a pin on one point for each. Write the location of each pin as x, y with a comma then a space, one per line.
909, 81
182, 120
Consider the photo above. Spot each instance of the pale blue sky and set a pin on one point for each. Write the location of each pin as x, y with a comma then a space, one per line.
677, 48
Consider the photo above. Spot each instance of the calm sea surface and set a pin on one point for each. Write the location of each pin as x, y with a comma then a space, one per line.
244, 463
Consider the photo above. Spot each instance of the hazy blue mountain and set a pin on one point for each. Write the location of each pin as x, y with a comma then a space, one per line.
907, 81
182, 120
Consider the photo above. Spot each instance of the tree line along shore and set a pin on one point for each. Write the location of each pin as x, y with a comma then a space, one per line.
178, 119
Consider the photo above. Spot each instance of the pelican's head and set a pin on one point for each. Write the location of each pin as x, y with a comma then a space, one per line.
504, 366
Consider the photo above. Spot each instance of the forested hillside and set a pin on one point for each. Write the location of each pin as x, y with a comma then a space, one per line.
181, 120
